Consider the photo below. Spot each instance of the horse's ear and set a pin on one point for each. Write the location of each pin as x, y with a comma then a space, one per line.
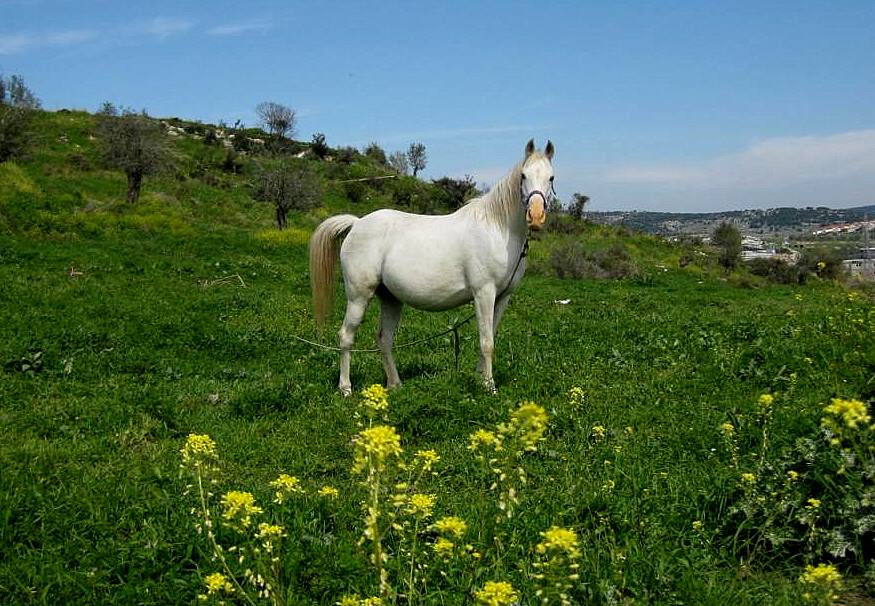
548, 151
530, 147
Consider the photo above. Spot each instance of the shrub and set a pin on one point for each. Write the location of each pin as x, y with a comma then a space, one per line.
573, 261
454, 193
376, 153
777, 270
823, 262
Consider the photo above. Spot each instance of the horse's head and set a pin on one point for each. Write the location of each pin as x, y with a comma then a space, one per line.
536, 184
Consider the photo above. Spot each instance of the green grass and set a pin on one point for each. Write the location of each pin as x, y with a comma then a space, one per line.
104, 373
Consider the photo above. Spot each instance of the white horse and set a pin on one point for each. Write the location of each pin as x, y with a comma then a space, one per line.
432, 262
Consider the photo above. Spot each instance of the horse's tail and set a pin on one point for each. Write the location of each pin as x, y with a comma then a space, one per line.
323, 259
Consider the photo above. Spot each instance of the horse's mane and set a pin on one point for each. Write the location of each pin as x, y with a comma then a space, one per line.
503, 200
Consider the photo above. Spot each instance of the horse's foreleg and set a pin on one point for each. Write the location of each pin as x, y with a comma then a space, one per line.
390, 315
355, 311
500, 306
484, 305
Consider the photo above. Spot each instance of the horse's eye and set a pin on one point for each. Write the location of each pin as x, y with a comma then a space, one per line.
523, 176
551, 179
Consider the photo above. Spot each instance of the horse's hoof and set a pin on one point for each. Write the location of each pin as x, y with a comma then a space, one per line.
345, 391
393, 385
489, 386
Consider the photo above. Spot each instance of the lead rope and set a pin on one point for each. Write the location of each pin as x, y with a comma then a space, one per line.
454, 329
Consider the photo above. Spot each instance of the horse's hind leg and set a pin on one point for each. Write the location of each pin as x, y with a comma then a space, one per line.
355, 311
390, 315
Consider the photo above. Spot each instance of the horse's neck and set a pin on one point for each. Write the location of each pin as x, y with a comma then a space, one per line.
503, 207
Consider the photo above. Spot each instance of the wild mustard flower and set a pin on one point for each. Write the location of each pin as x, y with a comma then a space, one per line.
556, 565
528, 423
239, 507
792, 476
766, 400
199, 449
496, 593
286, 486
452, 526
561, 540
698, 525
598, 432
482, 437
443, 547
376, 444
812, 503
270, 531
329, 492
748, 478
727, 428
576, 396
851, 412
822, 581
375, 398
426, 458
218, 583
421, 505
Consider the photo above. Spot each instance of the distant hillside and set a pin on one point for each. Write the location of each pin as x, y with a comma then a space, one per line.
784, 220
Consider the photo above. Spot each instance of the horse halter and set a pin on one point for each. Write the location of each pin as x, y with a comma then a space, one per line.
538, 192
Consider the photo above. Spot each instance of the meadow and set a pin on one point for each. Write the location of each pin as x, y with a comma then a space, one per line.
126, 330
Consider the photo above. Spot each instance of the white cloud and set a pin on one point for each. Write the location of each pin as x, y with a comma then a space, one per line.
829, 169
17, 43
235, 29
162, 27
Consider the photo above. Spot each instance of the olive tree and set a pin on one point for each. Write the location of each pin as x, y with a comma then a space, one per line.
280, 121
398, 161
17, 104
288, 186
133, 143
416, 157
727, 239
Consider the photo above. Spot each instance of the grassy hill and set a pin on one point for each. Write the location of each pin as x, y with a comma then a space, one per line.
128, 328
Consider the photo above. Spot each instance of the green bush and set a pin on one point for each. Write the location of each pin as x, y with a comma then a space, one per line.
777, 270
573, 261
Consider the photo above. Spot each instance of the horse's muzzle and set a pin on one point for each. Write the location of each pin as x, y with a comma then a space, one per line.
536, 213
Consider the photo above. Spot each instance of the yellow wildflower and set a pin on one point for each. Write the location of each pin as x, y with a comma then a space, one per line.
375, 601
749, 478
349, 600
821, 265
270, 531
377, 444
575, 396
239, 508
427, 458
852, 412
329, 492
698, 525
421, 505
598, 431
197, 448
813, 503
217, 582
563, 540
528, 422
792, 476
496, 593
443, 546
727, 428
286, 485
376, 398
825, 575
451, 525
766, 401
481, 437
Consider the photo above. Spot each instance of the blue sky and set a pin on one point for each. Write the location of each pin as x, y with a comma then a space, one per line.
675, 106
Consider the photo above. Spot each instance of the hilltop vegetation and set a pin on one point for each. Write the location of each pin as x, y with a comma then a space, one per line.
669, 476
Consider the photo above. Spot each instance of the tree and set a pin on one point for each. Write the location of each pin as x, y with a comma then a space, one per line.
398, 162
135, 144
280, 121
727, 239
416, 157
455, 192
375, 152
578, 204
318, 146
17, 104
289, 186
